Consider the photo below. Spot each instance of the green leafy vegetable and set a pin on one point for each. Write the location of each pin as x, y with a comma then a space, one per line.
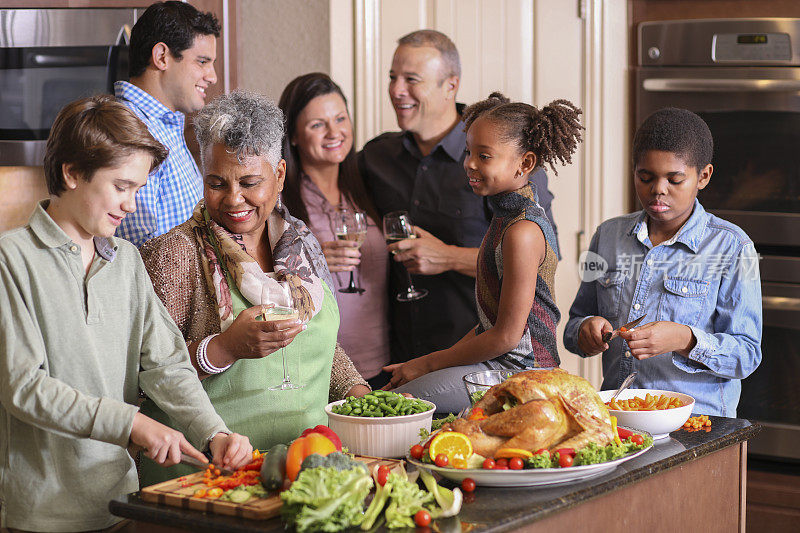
406, 498
449, 500
590, 454
593, 454
475, 397
326, 499
377, 504
541, 460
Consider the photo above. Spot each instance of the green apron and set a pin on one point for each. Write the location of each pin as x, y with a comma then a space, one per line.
242, 397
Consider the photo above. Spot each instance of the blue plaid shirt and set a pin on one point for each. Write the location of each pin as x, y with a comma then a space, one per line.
705, 277
174, 188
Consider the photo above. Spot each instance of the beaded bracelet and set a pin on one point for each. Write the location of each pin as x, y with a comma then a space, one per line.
202, 359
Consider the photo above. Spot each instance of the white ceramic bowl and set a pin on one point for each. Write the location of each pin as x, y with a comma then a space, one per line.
389, 436
660, 422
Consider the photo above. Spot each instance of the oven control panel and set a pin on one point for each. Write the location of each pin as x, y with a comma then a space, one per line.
720, 42
751, 47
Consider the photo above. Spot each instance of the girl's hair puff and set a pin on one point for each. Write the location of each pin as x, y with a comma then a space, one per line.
552, 133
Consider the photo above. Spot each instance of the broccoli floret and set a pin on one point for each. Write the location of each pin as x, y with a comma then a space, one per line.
341, 461
314, 460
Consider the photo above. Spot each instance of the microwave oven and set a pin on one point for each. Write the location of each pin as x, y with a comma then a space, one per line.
48, 58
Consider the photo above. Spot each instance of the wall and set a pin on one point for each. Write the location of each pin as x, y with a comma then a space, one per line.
277, 41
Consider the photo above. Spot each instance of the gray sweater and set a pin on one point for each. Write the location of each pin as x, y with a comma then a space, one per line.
74, 350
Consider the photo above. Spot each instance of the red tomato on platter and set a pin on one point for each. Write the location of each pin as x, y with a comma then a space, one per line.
441, 460
501, 463
515, 463
637, 439
488, 464
417, 451
564, 460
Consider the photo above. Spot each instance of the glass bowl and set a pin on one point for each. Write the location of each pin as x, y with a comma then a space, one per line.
477, 383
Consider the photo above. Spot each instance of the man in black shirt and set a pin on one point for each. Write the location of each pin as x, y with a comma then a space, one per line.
420, 170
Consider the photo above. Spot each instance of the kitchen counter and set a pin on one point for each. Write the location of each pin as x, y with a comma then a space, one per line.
691, 480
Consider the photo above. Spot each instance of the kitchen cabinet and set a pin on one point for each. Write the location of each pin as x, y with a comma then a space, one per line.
692, 481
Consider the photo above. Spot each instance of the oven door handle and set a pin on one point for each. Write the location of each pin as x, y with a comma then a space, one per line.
780, 303
721, 86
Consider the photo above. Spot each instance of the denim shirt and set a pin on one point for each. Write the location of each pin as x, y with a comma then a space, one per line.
705, 277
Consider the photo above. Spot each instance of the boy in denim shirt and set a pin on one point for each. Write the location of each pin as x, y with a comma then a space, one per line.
691, 274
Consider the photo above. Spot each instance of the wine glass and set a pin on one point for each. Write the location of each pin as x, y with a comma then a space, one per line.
396, 227
350, 225
279, 294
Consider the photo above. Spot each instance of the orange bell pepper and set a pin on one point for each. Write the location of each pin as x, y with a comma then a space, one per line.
302, 448
477, 414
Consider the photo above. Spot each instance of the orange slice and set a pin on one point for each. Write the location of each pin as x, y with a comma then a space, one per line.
453, 444
508, 453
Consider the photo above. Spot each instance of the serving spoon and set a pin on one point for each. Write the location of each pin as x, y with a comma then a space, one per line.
625, 385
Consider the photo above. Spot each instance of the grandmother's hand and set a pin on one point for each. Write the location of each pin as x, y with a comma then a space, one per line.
248, 338
342, 256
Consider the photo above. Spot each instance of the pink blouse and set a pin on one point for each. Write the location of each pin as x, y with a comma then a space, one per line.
364, 327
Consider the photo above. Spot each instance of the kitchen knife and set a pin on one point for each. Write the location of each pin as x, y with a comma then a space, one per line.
191, 461
607, 336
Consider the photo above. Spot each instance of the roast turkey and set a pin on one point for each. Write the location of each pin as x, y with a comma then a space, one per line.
549, 409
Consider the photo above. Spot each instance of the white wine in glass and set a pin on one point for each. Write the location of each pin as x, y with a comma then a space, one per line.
279, 296
349, 225
397, 227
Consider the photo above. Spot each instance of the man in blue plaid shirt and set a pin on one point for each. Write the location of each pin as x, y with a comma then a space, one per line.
172, 53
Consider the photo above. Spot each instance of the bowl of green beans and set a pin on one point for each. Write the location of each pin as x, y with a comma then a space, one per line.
381, 423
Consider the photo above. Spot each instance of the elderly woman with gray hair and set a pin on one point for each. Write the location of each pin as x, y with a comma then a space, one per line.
210, 270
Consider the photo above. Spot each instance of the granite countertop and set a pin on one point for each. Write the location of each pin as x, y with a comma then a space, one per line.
493, 509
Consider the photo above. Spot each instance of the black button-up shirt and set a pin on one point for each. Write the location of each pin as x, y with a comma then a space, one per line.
435, 192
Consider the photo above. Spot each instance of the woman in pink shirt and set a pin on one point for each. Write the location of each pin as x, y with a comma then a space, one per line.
321, 177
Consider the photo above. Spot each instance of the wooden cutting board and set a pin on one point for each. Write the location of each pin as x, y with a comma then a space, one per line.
178, 493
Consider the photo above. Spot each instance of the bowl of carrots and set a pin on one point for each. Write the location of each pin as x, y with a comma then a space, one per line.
656, 411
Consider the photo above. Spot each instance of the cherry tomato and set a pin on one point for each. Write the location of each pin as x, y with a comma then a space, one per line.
423, 517
624, 433
564, 460
417, 451
501, 463
566, 451
637, 439
468, 484
383, 475
488, 464
441, 460
541, 450
515, 463
501, 468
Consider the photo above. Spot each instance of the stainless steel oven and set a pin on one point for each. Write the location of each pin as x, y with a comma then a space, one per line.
743, 77
49, 57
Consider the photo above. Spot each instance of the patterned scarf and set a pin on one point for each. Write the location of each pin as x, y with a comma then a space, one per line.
238, 279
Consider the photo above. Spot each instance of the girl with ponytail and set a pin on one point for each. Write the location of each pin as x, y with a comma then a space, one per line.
514, 288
